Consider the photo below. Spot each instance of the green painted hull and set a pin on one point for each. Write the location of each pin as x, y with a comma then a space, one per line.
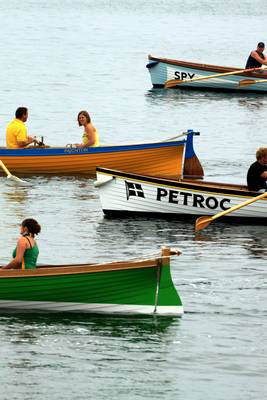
126, 290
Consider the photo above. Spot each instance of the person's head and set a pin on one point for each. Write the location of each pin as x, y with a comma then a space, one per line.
261, 155
83, 118
30, 227
22, 113
260, 47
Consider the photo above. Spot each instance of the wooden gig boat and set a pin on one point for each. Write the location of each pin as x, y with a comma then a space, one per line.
142, 286
164, 69
163, 158
123, 193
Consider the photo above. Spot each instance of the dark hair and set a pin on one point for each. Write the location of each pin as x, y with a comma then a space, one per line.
32, 225
87, 116
261, 44
20, 112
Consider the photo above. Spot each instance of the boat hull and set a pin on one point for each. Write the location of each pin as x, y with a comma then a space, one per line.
162, 70
157, 159
138, 287
126, 194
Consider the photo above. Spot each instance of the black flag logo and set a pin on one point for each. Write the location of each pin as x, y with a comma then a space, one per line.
133, 189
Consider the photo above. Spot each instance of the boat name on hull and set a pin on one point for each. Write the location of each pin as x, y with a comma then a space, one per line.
184, 198
183, 75
196, 200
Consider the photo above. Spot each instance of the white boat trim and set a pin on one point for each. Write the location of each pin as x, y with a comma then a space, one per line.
90, 307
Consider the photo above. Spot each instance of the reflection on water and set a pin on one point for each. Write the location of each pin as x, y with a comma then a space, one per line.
252, 238
156, 95
28, 327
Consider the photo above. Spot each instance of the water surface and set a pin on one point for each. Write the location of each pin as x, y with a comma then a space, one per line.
60, 57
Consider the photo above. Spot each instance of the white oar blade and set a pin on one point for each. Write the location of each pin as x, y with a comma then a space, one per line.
17, 181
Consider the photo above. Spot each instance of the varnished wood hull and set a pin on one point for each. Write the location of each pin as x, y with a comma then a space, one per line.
160, 159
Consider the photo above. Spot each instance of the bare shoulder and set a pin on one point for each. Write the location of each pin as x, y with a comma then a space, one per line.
22, 242
90, 128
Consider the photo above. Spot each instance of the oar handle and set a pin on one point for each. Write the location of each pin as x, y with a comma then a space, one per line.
245, 203
4, 168
173, 82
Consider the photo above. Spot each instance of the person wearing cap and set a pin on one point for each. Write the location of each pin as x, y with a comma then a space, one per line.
256, 58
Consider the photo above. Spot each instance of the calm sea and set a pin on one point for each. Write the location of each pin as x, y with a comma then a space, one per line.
58, 57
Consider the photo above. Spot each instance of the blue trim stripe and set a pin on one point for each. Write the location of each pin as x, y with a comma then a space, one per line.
60, 151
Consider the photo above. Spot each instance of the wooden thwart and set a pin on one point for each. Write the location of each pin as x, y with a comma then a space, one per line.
202, 222
173, 82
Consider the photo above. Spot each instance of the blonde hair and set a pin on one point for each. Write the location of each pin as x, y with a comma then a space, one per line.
261, 152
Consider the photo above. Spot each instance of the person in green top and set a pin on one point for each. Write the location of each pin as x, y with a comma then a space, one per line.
26, 252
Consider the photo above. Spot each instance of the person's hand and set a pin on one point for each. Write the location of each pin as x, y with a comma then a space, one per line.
31, 139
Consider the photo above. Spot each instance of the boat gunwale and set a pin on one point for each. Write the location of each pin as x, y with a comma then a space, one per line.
69, 151
223, 188
205, 67
75, 269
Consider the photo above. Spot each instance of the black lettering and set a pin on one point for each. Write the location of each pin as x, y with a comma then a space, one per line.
183, 75
198, 200
173, 194
191, 75
161, 193
186, 195
177, 74
211, 202
222, 204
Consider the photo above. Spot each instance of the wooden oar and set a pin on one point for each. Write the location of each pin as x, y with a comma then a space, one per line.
247, 82
173, 82
12, 177
202, 222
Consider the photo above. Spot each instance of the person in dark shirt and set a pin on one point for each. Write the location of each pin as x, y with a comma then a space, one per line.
256, 58
257, 172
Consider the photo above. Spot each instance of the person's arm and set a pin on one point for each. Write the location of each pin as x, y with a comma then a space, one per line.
255, 55
24, 143
264, 175
16, 262
90, 132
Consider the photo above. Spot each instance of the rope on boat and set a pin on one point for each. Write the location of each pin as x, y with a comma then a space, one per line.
147, 257
181, 135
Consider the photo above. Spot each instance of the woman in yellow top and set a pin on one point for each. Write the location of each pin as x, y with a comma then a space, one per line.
26, 252
90, 135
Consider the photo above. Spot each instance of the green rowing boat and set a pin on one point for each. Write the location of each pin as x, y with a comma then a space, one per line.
142, 286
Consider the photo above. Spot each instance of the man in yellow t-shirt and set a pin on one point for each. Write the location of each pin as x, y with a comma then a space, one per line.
16, 131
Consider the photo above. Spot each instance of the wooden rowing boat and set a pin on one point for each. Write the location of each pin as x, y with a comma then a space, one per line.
164, 158
164, 69
123, 193
142, 286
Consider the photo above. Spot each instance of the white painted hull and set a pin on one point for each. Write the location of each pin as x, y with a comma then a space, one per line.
90, 308
163, 71
128, 193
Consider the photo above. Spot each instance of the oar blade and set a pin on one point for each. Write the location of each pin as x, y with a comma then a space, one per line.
247, 82
172, 83
17, 181
202, 222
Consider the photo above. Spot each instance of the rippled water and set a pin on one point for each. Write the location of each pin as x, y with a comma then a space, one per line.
60, 57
